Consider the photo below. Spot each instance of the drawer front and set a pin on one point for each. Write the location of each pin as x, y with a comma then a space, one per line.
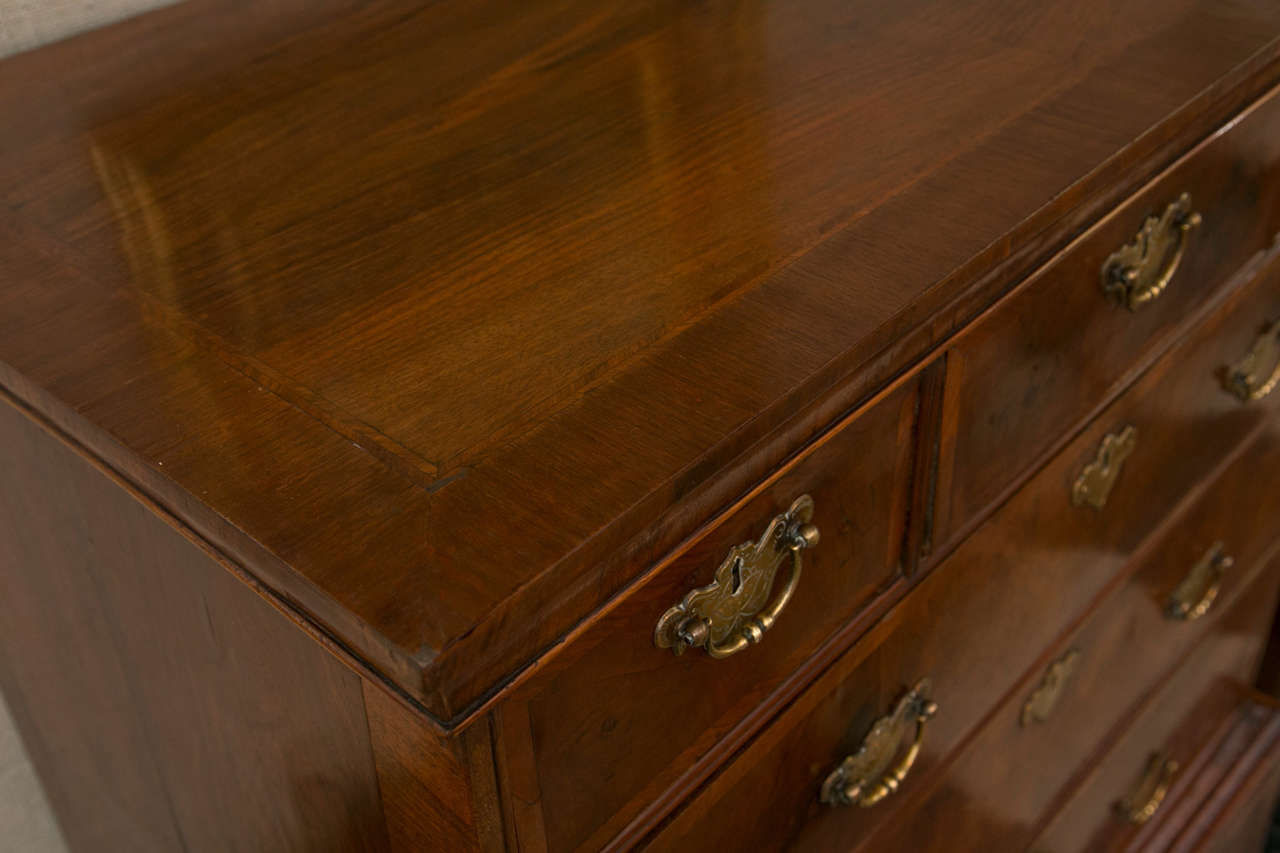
1028, 573
612, 719
1169, 598
1174, 725
1237, 816
1050, 353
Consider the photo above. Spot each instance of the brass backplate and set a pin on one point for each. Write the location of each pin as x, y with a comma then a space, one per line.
1093, 486
879, 765
1195, 595
1145, 800
1039, 706
1140, 270
1258, 373
740, 588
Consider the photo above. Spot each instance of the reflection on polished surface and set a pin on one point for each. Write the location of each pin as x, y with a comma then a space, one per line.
391, 388
500, 280
572, 187
446, 208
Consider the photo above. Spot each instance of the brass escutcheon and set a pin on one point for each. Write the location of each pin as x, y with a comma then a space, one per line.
1139, 806
1140, 270
1094, 485
730, 613
1249, 378
1192, 598
1039, 707
869, 775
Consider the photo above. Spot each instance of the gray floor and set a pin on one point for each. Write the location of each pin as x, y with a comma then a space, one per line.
26, 824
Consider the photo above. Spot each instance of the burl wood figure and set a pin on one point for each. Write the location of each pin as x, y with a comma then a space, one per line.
576, 426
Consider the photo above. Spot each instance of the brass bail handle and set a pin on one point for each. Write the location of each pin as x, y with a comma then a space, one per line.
1258, 373
1141, 805
869, 775
735, 609
1140, 270
1197, 592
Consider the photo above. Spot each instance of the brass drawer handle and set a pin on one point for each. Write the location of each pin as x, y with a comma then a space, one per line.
1139, 806
1140, 270
1245, 378
869, 775
1192, 598
1039, 706
1094, 485
730, 613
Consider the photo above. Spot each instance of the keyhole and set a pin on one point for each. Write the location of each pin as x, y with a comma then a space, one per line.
736, 570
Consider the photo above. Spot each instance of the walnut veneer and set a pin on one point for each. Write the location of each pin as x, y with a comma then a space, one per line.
570, 426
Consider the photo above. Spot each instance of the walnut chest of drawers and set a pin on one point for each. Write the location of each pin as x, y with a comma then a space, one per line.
572, 426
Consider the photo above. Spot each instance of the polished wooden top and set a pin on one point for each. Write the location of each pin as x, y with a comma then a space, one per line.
445, 321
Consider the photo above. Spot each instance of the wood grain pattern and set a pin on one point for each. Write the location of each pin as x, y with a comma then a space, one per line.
1231, 652
423, 779
165, 704
1055, 351
1189, 715
611, 705
302, 240
1011, 774
1053, 559
1242, 783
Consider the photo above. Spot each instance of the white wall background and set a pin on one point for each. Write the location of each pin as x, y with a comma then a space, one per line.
25, 24
26, 824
